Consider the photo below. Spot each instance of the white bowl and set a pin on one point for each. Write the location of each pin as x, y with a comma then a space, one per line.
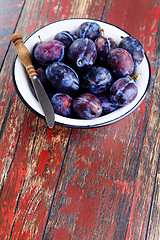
48, 32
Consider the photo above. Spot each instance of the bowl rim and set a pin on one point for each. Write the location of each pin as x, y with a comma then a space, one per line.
81, 126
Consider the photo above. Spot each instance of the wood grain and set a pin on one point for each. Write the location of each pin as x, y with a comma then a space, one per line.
10, 11
100, 192
30, 165
154, 223
80, 184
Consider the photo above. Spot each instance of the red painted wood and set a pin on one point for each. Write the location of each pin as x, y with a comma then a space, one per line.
30, 164
107, 182
9, 13
29, 174
105, 174
154, 223
35, 184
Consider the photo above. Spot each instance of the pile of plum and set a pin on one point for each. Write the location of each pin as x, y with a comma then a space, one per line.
85, 74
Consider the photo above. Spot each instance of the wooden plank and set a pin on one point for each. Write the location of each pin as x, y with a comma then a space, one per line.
9, 13
31, 180
153, 232
150, 149
106, 187
154, 223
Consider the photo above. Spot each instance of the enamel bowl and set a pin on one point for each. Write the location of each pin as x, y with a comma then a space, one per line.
24, 90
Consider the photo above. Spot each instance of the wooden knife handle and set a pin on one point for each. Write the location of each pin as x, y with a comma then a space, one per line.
23, 54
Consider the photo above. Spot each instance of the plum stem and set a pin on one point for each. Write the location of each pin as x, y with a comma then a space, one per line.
40, 38
136, 76
101, 30
80, 62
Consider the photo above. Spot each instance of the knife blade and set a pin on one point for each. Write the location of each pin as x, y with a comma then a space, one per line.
25, 57
44, 101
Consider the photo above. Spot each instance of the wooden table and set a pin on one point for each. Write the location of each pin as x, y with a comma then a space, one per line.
64, 183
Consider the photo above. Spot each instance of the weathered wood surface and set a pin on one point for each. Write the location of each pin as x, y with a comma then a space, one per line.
154, 223
80, 184
10, 11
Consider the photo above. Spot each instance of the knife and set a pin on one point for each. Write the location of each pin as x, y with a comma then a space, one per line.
41, 94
